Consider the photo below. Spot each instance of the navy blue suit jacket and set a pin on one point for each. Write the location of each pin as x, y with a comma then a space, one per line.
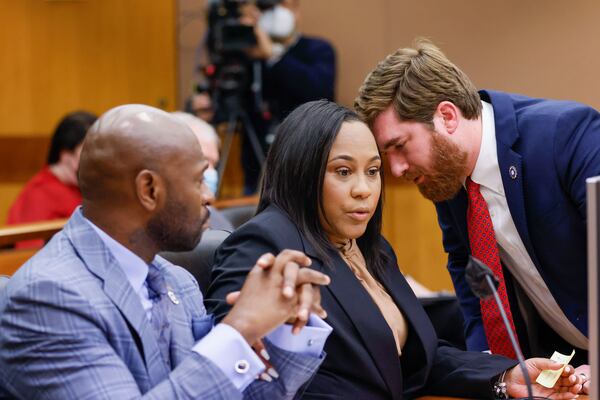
553, 146
306, 72
362, 360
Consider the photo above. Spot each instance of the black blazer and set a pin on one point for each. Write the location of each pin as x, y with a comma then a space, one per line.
362, 361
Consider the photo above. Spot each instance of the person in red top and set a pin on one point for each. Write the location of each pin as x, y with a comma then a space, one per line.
53, 192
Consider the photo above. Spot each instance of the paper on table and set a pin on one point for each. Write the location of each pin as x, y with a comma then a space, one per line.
548, 377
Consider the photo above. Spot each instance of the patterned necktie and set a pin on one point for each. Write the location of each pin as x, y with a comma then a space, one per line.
157, 292
484, 247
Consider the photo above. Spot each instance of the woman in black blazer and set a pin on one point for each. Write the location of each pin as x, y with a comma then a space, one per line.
321, 189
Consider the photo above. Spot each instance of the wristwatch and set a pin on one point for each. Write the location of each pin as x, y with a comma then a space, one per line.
500, 392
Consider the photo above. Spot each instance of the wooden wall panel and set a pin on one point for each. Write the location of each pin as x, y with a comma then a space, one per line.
233, 177
22, 157
60, 56
95, 54
535, 47
8, 193
410, 224
355, 29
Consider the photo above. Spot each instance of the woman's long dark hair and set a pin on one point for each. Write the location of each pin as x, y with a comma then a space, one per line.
294, 173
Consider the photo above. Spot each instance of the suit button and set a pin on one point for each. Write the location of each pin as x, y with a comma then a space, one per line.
242, 366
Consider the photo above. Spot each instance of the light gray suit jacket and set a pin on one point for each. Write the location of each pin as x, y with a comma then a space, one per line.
71, 327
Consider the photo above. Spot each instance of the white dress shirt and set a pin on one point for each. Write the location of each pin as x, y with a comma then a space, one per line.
223, 345
512, 250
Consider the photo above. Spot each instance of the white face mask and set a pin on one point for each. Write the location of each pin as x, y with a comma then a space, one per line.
211, 178
278, 22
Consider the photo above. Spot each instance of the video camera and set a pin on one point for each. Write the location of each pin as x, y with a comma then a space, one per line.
234, 79
228, 34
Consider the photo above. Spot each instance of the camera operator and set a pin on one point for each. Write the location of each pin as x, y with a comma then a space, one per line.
297, 68
294, 69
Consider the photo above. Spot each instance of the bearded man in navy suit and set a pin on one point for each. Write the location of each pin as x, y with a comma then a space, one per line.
526, 159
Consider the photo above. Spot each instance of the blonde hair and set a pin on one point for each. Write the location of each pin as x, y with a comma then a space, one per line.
415, 81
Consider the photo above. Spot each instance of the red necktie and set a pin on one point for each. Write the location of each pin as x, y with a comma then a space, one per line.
484, 247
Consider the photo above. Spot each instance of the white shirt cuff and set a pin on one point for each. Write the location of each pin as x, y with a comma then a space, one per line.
310, 341
229, 351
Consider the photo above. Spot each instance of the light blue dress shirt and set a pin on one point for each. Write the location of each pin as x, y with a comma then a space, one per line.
223, 345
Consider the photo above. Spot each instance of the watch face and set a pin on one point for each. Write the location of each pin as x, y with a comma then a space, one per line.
500, 392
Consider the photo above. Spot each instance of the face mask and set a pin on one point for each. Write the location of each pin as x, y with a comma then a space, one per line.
278, 22
211, 178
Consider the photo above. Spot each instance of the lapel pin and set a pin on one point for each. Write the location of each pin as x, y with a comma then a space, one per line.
512, 172
172, 297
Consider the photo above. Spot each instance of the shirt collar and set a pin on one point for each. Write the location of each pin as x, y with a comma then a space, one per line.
135, 269
485, 172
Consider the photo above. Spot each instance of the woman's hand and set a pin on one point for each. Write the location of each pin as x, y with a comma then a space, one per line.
567, 386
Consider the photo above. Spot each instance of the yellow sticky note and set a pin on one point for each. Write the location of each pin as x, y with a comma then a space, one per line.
548, 377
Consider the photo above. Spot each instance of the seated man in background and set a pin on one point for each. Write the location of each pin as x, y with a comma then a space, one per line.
53, 192
97, 314
200, 105
210, 143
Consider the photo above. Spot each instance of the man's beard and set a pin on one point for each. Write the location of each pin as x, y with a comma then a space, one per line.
174, 229
449, 165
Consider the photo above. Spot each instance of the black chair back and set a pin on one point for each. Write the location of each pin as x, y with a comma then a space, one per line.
238, 215
199, 261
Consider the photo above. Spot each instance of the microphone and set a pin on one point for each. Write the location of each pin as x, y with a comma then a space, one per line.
483, 284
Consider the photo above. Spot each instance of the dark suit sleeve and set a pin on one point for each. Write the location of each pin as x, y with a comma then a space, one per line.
310, 77
458, 256
465, 373
233, 260
451, 371
577, 151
